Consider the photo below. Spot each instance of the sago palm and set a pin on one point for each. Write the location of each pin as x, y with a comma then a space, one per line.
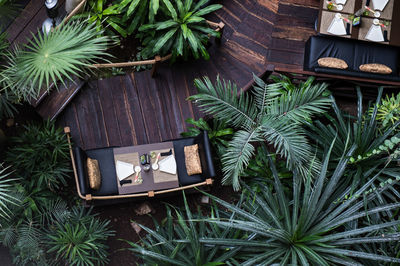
314, 224
271, 113
66, 51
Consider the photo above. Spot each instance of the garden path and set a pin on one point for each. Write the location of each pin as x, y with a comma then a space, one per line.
137, 109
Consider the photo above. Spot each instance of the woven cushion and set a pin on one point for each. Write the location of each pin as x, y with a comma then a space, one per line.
376, 68
192, 159
332, 62
93, 173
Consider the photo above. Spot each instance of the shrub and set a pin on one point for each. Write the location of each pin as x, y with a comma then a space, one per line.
388, 112
181, 29
40, 155
68, 50
313, 224
178, 241
272, 114
24, 233
375, 151
104, 17
80, 240
218, 132
137, 12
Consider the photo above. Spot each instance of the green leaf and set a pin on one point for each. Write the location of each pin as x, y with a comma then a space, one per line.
132, 7
167, 24
207, 10
194, 19
171, 9
163, 39
154, 5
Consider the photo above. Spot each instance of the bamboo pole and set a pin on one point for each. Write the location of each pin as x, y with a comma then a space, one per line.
73, 12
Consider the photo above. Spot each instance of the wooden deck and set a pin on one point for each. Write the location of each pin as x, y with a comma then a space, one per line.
137, 109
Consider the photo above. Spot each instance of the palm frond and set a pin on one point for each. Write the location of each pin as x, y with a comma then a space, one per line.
289, 140
237, 156
300, 104
264, 113
6, 196
55, 211
66, 51
221, 101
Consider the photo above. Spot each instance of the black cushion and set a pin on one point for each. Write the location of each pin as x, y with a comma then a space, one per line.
319, 47
205, 158
105, 157
355, 53
368, 53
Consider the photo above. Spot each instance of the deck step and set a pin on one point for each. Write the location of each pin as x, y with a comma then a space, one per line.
54, 103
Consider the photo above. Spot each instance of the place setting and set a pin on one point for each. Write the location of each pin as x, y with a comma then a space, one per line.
382, 9
344, 6
339, 25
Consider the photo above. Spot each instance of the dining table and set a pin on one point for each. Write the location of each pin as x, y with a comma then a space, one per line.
379, 20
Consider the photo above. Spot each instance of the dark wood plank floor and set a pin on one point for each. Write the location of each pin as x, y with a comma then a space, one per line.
137, 109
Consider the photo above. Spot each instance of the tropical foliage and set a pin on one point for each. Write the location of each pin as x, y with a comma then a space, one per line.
3, 43
7, 97
218, 132
6, 193
258, 169
178, 241
314, 224
66, 51
183, 30
138, 12
388, 112
80, 240
104, 17
25, 233
272, 113
40, 155
375, 150
8, 9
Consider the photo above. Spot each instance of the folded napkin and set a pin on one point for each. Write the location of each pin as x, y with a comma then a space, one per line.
168, 165
375, 34
379, 4
341, 2
337, 27
124, 170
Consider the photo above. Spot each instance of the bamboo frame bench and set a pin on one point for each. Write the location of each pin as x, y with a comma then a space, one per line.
148, 194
